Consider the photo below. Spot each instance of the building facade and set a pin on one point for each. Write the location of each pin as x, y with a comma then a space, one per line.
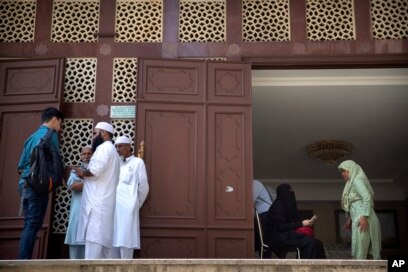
176, 75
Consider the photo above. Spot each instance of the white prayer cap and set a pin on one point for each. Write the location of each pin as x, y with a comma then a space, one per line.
122, 140
105, 126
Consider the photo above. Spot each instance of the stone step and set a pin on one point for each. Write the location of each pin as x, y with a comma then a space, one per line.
193, 265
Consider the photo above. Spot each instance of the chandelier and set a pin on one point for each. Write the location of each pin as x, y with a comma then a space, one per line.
329, 151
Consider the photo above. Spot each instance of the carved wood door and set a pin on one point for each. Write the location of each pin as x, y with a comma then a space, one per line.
27, 87
195, 119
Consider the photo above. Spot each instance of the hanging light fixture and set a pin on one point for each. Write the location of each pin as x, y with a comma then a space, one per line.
329, 151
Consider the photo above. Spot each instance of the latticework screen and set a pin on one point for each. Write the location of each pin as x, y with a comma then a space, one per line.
17, 20
265, 20
330, 20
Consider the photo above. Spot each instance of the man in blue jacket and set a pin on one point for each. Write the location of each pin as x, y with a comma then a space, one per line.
34, 205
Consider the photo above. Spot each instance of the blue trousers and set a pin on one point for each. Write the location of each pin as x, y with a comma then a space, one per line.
34, 208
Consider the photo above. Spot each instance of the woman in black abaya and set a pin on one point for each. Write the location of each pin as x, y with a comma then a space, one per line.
282, 223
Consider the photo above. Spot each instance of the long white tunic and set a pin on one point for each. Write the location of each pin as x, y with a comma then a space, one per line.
130, 194
98, 196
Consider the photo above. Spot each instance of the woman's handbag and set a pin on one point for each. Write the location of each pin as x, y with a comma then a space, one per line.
308, 231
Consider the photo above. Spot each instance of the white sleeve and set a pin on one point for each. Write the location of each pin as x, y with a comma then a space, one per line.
100, 160
143, 188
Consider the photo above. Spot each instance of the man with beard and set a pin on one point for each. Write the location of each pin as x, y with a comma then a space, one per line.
130, 194
76, 184
98, 197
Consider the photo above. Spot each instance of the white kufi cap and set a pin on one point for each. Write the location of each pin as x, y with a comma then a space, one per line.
105, 126
122, 140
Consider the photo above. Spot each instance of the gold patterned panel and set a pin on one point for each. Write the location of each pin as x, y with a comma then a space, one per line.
265, 20
17, 20
75, 20
124, 79
330, 20
80, 80
139, 21
389, 19
202, 21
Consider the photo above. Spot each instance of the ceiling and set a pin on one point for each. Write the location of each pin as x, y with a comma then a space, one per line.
294, 108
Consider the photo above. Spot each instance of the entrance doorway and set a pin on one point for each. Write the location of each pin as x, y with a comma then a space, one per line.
366, 107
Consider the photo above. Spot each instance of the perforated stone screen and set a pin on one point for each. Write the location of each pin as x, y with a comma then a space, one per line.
330, 20
124, 79
202, 21
139, 20
124, 127
75, 20
17, 20
61, 210
265, 20
76, 133
80, 80
389, 19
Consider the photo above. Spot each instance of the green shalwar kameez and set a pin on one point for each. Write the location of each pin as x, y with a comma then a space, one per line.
357, 201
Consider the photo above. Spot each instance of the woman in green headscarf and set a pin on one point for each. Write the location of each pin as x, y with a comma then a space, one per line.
357, 202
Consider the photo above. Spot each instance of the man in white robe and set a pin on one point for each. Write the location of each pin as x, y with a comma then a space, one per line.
131, 193
95, 225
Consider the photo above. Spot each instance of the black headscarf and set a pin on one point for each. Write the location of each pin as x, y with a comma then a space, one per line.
287, 196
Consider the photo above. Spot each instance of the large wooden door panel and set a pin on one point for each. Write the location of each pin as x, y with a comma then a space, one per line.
173, 243
175, 163
29, 81
229, 83
27, 87
182, 81
230, 244
229, 166
195, 118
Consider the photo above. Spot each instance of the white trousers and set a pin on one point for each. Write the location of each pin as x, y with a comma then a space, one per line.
123, 253
97, 251
76, 251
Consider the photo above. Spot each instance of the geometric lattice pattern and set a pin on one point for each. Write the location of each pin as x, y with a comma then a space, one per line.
124, 127
75, 20
76, 133
61, 210
202, 21
80, 80
124, 79
330, 20
389, 19
265, 20
17, 20
139, 20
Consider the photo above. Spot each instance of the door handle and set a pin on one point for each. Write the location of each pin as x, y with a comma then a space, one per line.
141, 150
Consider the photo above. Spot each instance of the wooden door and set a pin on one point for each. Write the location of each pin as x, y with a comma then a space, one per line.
195, 118
27, 87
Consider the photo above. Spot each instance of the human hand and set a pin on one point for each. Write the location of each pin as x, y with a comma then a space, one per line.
79, 171
363, 223
347, 225
307, 223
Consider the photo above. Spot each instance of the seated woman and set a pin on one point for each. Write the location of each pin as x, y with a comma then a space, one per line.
282, 222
